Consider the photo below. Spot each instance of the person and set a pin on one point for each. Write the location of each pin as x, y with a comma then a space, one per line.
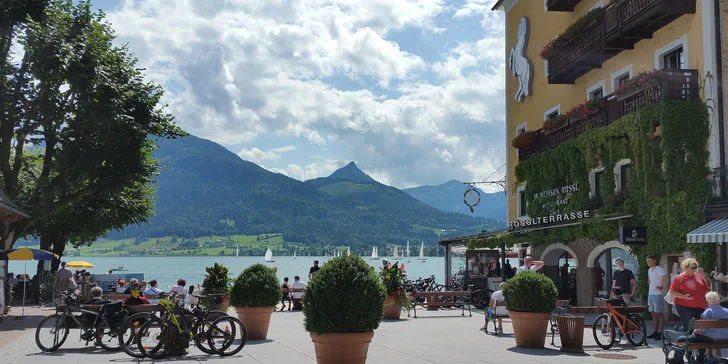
529, 264
658, 280
286, 289
110, 272
121, 286
145, 286
625, 280
180, 291
63, 275
96, 299
153, 290
313, 269
137, 297
297, 284
497, 271
709, 336
508, 270
498, 311
689, 289
12, 281
133, 281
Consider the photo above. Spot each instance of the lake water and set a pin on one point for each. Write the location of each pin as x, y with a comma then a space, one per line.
167, 270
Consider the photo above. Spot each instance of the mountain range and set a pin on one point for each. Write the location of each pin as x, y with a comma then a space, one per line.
449, 197
207, 190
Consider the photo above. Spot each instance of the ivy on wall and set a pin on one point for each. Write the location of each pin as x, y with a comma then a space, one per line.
668, 183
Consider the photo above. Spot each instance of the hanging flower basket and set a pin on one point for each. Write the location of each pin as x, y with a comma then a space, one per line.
575, 113
638, 83
571, 33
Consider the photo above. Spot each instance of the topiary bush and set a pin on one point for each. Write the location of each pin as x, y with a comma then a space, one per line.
256, 286
344, 296
530, 292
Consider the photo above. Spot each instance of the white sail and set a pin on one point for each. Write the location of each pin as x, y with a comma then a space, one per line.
396, 253
348, 250
269, 256
294, 255
237, 253
422, 252
408, 252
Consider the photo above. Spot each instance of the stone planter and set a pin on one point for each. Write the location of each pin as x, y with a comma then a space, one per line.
224, 306
392, 311
529, 328
256, 320
342, 348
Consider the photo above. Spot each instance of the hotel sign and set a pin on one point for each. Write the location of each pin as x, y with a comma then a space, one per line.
565, 217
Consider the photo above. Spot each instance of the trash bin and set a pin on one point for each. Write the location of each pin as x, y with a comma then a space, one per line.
571, 332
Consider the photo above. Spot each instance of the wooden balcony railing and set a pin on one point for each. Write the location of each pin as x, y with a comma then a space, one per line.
561, 5
668, 85
622, 24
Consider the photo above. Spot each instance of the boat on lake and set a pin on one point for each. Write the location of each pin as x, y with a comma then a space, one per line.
375, 256
269, 256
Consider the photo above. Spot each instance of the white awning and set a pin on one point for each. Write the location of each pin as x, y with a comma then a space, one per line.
715, 231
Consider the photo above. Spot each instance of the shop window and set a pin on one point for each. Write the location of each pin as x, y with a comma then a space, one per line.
674, 59
605, 266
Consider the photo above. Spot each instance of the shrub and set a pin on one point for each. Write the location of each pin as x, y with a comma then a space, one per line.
394, 279
256, 286
530, 292
344, 296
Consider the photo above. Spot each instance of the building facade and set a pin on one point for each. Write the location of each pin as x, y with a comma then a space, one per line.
615, 116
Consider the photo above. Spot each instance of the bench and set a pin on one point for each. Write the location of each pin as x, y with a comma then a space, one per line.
490, 316
670, 340
432, 300
122, 296
563, 307
292, 300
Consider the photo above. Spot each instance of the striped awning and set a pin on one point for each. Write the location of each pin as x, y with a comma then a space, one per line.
715, 231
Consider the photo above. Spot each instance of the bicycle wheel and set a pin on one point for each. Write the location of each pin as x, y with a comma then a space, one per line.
128, 328
201, 338
227, 336
604, 331
636, 330
151, 339
480, 299
106, 336
51, 333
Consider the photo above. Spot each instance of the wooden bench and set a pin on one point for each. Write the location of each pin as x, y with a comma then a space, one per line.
122, 296
494, 317
290, 293
432, 300
563, 307
670, 340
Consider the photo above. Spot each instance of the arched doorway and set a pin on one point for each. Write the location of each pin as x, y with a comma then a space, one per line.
604, 267
560, 265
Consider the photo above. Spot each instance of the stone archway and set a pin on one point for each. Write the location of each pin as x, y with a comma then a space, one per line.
560, 264
601, 248
559, 248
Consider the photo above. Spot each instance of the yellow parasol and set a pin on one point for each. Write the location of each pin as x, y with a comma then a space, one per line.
79, 264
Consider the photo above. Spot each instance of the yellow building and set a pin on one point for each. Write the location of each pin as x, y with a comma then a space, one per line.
579, 66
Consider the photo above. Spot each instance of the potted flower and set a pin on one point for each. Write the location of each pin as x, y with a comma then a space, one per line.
217, 281
255, 293
394, 281
342, 306
530, 298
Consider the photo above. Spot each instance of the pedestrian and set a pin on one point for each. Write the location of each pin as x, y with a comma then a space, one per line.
624, 279
689, 289
63, 276
313, 269
658, 281
530, 264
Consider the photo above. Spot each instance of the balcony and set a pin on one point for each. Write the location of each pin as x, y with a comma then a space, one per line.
539, 144
659, 86
619, 27
561, 5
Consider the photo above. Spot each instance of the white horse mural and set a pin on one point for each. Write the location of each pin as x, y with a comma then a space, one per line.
519, 64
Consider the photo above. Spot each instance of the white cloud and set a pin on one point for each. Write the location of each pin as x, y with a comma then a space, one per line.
236, 70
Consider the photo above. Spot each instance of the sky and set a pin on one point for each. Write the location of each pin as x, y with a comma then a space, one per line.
411, 90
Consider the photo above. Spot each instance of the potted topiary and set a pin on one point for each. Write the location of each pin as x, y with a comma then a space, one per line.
217, 281
394, 281
255, 293
530, 298
342, 306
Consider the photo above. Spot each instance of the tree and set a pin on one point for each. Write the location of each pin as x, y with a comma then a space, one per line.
79, 124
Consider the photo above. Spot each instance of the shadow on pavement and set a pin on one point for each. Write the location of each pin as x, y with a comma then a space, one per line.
545, 352
257, 342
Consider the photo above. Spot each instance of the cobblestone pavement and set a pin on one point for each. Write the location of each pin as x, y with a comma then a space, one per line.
434, 337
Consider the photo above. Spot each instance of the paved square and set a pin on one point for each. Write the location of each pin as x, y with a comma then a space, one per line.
434, 337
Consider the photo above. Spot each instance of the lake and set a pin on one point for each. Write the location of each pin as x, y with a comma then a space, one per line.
166, 270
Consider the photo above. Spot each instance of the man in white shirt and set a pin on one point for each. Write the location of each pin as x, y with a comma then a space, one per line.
658, 280
297, 284
498, 311
529, 264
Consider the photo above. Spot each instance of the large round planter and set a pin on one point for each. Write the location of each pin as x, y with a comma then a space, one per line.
256, 320
224, 306
529, 328
392, 311
342, 348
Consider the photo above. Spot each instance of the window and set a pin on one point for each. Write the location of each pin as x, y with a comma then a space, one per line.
674, 59
620, 77
604, 268
597, 94
598, 183
522, 203
552, 115
622, 80
624, 172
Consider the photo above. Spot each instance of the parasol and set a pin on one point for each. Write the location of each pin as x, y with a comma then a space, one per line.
26, 254
79, 264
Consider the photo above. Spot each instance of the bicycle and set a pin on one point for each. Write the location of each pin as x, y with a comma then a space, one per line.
628, 324
102, 329
190, 326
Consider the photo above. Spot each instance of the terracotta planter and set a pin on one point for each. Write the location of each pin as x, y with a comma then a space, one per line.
224, 306
342, 348
392, 311
256, 320
529, 328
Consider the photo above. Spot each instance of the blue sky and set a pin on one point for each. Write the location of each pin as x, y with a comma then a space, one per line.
411, 90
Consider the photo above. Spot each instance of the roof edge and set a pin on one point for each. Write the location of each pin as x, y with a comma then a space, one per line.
498, 5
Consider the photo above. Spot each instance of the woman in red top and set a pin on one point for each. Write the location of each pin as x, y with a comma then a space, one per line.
689, 289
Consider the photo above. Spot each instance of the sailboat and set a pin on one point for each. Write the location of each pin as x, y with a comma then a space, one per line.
294, 255
375, 256
237, 252
408, 252
269, 256
422, 252
395, 255
348, 250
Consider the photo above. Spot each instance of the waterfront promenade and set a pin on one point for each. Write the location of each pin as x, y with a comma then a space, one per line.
434, 337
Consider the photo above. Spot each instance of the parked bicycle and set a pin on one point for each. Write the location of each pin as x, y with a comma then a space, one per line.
156, 337
99, 327
618, 319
